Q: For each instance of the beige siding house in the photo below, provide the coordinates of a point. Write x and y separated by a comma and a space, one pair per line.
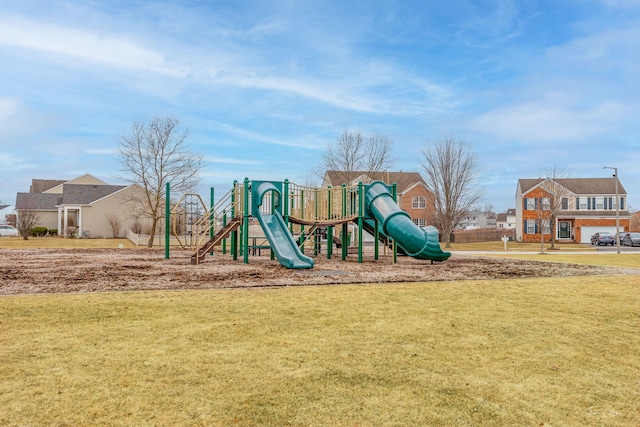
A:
83, 207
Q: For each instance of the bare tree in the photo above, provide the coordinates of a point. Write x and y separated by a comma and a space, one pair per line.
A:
634, 222
556, 199
115, 224
354, 152
451, 171
155, 153
27, 219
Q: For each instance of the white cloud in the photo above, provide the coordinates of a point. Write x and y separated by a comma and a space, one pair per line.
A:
87, 45
231, 161
535, 122
102, 151
11, 162
604, 50
254, 136
9, 107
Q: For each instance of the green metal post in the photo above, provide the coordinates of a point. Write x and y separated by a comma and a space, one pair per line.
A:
345, 226
285, 202
167, 225
234, 234
224, 223
360, 219
212, 217
273, 212
245, 221
329, 228
302, 217
376, 238
316, 241
394, 192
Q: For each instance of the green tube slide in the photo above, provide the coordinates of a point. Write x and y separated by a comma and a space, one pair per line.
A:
420, 243
278, 235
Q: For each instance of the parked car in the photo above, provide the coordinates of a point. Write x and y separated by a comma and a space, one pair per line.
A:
8, 230
632, 239
622, 234
603, 238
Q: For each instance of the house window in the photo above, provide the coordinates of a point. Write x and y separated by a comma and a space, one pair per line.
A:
583, 202
546, 204
530, 226
530, 204
419, 202
600, 203
565, 203
420, 222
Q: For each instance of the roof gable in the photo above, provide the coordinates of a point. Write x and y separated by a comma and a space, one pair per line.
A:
404, 180
86, 179
44, 185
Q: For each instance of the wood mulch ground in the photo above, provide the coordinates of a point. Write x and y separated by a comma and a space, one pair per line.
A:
25, 271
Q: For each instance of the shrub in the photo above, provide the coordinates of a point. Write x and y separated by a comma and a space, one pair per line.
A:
53, 231
38, 231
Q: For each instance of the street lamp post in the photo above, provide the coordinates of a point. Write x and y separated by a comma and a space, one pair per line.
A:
615, 176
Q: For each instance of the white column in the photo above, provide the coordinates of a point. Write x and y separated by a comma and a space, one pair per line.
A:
64, 224
79, 221
59, 226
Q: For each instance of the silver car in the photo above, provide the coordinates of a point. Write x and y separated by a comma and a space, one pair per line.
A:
632, 239
8, 230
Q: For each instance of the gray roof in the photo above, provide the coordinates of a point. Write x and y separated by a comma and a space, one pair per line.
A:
404, 180
587, 186
83, 194
38, 201
73, 194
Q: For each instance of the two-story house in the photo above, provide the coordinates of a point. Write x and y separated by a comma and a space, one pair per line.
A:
475, 219
506, 220
413, 195
575, 208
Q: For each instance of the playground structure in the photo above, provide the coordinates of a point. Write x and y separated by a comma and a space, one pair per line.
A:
294, 218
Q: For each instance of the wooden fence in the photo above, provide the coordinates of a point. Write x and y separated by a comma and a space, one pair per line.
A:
482, 235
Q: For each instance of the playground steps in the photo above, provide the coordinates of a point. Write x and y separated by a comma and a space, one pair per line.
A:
217, 238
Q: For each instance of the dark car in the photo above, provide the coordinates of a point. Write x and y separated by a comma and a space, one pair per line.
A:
632, 239
622, 234
603, 238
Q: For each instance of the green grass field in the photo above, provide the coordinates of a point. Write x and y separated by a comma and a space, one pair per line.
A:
528, 352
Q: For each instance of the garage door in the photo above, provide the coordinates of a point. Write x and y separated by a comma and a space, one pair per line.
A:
588, 231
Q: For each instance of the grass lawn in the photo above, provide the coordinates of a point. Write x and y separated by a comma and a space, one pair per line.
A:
60, 242
531, 352
498, 246
608, 259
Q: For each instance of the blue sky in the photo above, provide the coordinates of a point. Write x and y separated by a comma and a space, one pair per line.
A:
265, 86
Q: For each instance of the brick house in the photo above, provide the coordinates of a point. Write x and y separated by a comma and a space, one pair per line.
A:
413, 196
585, 206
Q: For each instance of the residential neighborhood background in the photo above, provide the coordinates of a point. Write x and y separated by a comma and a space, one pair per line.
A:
88, 207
